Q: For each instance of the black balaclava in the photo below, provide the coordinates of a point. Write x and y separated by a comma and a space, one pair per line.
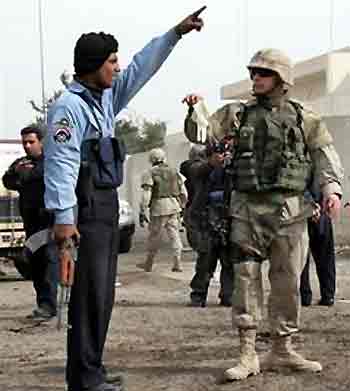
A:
92, 50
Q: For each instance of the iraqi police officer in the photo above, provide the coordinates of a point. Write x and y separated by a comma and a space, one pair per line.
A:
83, 168
278, 143
164, 194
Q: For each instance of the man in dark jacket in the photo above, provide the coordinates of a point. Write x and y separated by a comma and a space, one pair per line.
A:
205, 221
26, 175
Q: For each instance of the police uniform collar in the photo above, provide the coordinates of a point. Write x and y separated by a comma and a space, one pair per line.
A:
76, 87
80, 88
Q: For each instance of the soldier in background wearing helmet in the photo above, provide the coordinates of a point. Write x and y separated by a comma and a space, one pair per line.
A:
279, 143
164, 194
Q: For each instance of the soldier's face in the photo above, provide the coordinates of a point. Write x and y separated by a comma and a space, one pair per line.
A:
32, 146
264, 81
107, 72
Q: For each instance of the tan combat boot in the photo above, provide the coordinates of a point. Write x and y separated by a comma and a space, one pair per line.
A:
147, 266
177, 265
282, 355
248, 361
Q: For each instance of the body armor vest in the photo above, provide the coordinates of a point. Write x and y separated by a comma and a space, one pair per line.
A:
271, 152
165, 182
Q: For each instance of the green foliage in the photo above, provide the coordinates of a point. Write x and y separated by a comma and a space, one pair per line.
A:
141, 137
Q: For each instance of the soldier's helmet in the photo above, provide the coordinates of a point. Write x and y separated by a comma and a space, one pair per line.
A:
157, 155
197, 151
275, 60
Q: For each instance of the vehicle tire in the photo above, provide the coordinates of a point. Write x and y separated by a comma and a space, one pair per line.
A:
125, 244
22, 266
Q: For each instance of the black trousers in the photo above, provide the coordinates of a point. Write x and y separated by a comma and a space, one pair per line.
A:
93, 292
321, 246
44, 265
206, 264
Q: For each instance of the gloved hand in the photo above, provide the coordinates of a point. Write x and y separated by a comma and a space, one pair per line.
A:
143, 219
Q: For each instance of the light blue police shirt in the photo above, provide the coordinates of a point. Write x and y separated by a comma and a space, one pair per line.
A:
71, 121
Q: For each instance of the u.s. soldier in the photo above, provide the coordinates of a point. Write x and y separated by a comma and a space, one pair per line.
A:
163, 196
278, 142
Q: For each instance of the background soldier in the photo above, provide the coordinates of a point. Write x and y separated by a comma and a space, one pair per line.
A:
26, 175
207, 223
163, 192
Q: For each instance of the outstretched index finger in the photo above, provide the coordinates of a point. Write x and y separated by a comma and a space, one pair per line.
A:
198, 12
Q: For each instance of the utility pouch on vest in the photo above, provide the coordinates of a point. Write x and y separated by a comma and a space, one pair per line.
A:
109, 155
245, 165
101, 166
295, 167
246, 139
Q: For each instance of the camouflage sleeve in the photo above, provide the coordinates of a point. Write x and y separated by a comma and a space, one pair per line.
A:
316, 132
223, 121
147, 180
190, 126
146, 196
220, 124
328, 170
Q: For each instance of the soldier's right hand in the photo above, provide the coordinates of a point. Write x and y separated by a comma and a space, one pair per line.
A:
192, 99
63, 232
216, 159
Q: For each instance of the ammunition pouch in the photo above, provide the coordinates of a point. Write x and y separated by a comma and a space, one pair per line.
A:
101, 166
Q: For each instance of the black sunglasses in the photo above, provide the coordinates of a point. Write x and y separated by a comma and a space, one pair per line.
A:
262, 72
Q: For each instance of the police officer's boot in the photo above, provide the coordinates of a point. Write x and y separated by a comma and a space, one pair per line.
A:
177, 264
147, 266
248, 361
282, 356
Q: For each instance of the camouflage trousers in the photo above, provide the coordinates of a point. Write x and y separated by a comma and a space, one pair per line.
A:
170, 224
277, 233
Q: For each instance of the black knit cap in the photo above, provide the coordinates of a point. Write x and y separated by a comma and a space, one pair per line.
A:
92, 50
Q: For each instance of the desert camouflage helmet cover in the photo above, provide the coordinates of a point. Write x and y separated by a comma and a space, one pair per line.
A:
275, 60
157, 155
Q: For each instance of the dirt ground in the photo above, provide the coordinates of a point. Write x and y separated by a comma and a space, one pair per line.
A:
159, 343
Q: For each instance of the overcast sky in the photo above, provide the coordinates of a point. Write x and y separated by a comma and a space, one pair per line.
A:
201, 62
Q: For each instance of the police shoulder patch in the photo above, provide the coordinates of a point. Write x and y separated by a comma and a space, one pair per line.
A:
63, 131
